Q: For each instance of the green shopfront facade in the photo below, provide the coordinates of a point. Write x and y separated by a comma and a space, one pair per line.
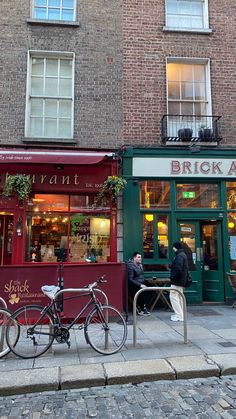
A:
173, 194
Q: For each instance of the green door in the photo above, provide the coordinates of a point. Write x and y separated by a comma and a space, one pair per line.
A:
203, 246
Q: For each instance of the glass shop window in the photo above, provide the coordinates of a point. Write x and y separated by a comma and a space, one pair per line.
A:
55, 232
154, 194
232, 239
231, 195
197, 195
155, 236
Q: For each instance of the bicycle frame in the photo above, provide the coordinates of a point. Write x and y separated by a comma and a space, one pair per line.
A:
52, 307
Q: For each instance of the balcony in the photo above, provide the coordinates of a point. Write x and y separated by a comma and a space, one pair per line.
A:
189, 129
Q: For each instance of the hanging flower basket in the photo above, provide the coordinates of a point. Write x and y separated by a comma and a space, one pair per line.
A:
111, 187
18, 184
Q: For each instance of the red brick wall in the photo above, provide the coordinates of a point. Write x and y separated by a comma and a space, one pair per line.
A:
146, 47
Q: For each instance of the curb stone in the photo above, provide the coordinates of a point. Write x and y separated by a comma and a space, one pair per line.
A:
194, 367
79, 376
226, 363
29, 381
137, 371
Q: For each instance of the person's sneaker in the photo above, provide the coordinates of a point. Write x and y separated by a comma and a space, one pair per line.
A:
175, 318
144, 312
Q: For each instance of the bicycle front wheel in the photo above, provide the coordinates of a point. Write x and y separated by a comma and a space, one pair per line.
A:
5, 316
36, 331
105, 330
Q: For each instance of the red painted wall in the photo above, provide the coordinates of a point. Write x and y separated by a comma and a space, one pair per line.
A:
20, 285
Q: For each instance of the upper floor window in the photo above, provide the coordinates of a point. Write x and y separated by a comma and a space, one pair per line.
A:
186, 14
189, 98
50, 94
54, 9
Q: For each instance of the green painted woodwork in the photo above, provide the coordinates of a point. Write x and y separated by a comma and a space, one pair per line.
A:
218, 288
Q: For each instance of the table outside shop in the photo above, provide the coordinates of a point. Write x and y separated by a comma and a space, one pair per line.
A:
160, 294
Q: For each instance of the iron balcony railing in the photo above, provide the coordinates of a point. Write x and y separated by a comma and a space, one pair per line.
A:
190, 128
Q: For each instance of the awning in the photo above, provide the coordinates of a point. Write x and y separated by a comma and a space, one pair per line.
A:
52, 157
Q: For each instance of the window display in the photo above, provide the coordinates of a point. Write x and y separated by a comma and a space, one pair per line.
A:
56, 233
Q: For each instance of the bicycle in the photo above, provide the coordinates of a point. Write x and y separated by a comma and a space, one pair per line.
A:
105, 329
5, 316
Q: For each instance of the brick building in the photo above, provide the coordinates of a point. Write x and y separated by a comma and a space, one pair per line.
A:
61, 123
82, 80
179, 128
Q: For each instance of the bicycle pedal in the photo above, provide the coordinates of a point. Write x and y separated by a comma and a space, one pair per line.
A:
68, 344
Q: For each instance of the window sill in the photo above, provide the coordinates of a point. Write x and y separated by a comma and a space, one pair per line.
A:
45, 22
188, 30
39, 140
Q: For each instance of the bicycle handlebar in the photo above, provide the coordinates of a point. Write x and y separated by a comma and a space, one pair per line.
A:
94, 284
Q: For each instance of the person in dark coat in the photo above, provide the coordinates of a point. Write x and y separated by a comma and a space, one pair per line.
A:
178, 278
137, 281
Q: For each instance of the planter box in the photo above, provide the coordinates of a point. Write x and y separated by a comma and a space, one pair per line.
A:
185, 134
205, 134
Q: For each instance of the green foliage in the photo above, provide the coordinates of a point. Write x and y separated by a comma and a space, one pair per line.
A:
75, 222
112, 187
18, 184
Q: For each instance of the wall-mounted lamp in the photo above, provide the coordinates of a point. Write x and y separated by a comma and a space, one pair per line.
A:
19, 227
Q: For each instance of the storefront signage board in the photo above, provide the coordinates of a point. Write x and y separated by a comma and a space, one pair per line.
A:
187, 167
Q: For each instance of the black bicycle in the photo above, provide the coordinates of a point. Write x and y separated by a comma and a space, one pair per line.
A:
105, 329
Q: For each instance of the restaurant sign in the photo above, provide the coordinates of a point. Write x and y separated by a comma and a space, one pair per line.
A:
185, 167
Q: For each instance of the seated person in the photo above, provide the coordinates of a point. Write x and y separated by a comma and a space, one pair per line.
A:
137, 281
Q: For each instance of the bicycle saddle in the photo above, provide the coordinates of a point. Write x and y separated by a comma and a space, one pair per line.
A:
50, 290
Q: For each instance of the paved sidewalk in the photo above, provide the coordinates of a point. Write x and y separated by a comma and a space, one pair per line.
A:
160, 354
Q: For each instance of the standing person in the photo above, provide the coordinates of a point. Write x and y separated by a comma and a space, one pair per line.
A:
137, 281
178, 278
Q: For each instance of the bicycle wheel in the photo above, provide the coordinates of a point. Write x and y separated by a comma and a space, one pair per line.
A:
5, 315
105, 330
36, 331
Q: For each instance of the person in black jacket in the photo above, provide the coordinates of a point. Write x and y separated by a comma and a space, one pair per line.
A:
178, 278
137, 281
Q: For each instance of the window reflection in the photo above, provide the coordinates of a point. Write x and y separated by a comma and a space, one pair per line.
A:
155, 236
232, 239
148, 236
154, 194
197, 195
55, 232
89, 238
162, 229
231, 195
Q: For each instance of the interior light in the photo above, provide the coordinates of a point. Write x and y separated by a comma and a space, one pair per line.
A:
160, 224
231, 224
149, 217
19, 227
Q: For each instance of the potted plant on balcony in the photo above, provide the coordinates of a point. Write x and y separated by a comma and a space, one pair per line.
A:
205, 133
185, 134
18, 184
112, 187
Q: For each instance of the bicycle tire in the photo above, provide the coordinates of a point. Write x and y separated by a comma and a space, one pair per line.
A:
5, 316
34, 339
105, 342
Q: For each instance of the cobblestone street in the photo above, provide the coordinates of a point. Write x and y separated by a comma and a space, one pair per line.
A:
198, 398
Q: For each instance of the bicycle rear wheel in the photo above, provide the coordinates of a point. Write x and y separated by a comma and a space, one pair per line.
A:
105, 330
5, 316
36, 331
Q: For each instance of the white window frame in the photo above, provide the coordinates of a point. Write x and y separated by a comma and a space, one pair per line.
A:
47, 54
193, 61
47, 7
191, 29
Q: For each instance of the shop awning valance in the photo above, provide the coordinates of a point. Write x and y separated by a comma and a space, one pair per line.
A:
53, 156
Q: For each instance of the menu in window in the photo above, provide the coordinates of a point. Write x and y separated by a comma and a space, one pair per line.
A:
233, 247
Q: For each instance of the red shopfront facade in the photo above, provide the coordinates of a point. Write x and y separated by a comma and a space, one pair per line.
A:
58, 224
